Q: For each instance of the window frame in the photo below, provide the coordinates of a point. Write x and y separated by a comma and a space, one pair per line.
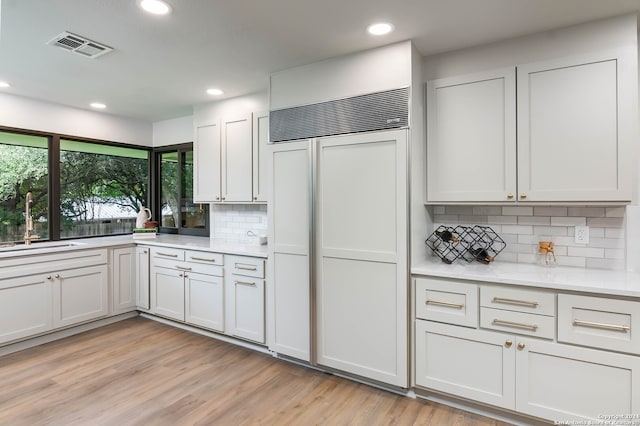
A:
155, 193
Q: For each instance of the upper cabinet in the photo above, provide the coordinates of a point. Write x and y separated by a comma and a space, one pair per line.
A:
228, 159
574, 129
471, 137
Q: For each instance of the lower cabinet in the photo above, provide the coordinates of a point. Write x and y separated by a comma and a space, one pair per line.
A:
143, 277
123, 279
245, 298
560, 382
188, 286
525, 369
80, 294
26, 307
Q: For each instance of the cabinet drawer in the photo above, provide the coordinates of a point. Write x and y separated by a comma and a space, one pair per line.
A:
599, 322
162, 253
247, 266
206, 258
447, 301
519, 300
518, 322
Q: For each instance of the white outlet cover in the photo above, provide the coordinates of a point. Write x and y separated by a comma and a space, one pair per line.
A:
581, 235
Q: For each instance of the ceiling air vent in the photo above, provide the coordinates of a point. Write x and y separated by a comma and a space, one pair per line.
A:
79, 44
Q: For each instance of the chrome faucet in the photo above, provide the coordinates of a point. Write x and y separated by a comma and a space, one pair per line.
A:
28, 236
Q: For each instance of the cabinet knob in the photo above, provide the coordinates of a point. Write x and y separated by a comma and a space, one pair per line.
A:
57, 275
48, 277
520, 346
523, 196
181, 275
510, 196
508, 343
222, 198
217, 198
255, 198
186, 275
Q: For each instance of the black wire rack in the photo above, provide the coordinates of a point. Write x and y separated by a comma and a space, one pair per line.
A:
479, 243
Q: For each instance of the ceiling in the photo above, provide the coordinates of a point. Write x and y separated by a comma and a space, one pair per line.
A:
162, 65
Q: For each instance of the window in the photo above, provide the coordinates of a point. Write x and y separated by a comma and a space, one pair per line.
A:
79, 187
101, 188
23, 168
179, 214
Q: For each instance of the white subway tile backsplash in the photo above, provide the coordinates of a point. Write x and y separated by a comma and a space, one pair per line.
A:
568, 221
231, 222
517, 211
534, 220
586, 211
522, 227
550, 211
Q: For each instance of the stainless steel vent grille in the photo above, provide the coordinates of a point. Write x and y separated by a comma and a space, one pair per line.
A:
79, 44
375, 111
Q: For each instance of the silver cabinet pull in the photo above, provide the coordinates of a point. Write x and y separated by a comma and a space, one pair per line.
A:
515, 324
202, 259
440, 303
246, 267
515, 302
166, 254
622, 328
184, 268
253, 284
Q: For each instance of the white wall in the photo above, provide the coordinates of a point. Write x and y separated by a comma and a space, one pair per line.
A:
205, 113
174, 131
369, 71
30, 114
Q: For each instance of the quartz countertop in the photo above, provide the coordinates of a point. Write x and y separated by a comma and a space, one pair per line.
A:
164, 240
615, 283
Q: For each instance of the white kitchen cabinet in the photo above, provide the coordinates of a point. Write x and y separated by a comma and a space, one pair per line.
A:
289, 325
471, 140
575, 126
555, 381
123, 279
187, 286
143, 277
229, 159
470, 363
80, 294
237, 161
260, 155
207, 163
572, 138
26, 306
361, 260
204, 298
245, 298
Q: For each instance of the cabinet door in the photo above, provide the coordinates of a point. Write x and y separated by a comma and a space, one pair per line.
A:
361, 246
469, 363
25, 307
207, 163
142, 281
572, 138
80, 294
204, 301
237, 163
246, 308
167, 293
289, 227
260, 141
471, 137
556, 381
124, 279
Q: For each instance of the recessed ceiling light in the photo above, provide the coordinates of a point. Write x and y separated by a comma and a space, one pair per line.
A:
215, 92
97, 105
4, 84
157, 7
380, 28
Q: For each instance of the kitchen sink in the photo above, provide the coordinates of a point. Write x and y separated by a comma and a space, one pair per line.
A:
34, 246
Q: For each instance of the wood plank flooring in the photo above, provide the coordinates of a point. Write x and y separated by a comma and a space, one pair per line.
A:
140, 372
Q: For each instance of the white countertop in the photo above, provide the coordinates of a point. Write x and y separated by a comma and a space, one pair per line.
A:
165, 240
617, 283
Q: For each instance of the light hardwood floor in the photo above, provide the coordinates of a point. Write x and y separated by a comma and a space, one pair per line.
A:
140, 372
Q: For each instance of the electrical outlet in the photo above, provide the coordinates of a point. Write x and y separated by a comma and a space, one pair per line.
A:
582, 235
